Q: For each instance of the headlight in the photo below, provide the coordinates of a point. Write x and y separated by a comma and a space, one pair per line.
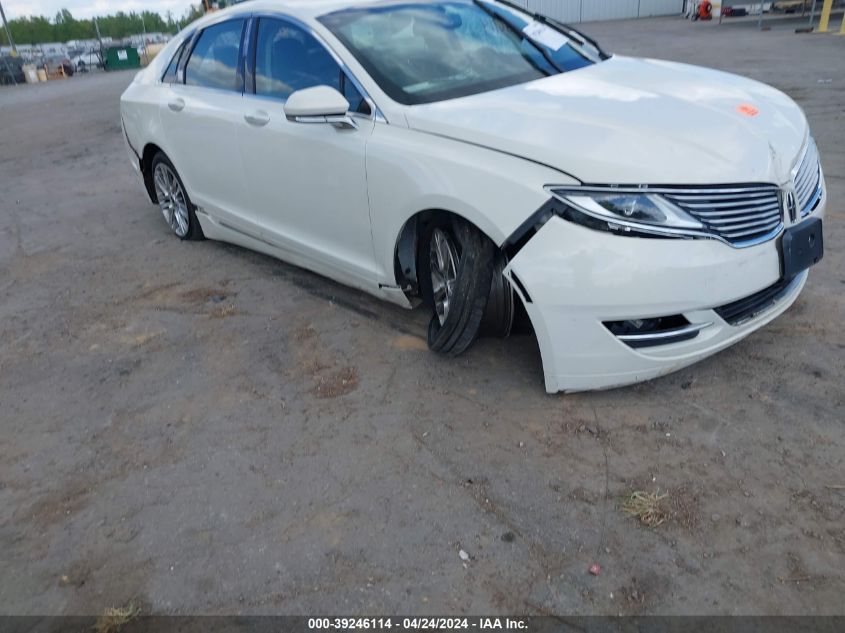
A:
624, 211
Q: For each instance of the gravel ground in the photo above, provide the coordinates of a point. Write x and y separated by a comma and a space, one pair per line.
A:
200, 429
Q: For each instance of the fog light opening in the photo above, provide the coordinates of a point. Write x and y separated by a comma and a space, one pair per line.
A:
654, 331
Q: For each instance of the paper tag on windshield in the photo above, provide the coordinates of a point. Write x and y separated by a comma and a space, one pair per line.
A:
545, 35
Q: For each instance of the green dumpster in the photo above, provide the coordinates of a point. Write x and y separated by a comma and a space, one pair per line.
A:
121, 57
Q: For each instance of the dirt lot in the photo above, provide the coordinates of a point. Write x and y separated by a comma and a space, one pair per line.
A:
200, 429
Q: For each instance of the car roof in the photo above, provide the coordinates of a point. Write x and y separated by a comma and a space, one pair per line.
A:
304, 8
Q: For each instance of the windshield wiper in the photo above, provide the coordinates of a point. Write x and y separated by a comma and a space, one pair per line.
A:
540, 48
569, 30
576, 34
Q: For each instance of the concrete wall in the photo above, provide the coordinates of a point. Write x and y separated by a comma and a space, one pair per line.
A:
588, 10
660, 7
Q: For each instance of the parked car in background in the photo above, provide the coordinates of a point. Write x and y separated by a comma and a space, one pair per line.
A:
87, 61
470, 155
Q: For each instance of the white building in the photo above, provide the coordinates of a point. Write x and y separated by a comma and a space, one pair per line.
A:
139, 39
590, 10
87, 44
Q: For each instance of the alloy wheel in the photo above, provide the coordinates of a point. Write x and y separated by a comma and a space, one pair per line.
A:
444, 271
171, 199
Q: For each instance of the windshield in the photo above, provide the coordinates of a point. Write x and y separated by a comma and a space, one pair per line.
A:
421, 52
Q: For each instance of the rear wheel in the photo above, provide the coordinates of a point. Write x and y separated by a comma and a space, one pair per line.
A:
173, 200
456, 268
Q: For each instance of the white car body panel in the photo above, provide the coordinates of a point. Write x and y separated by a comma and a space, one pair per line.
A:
410, 172
202, 140
296, 158
576, 280
336, 200
633, 121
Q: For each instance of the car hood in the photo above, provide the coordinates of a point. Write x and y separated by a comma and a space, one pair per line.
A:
633, 121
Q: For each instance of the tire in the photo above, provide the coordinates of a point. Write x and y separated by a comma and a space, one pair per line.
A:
173, 200
452, 330
499, 314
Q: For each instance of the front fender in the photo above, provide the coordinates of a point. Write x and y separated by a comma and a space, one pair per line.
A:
410, 171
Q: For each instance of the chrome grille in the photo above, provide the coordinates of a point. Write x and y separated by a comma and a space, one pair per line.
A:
741, 214
807, 179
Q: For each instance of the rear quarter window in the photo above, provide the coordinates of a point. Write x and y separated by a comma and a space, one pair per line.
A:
169, 76
214, 59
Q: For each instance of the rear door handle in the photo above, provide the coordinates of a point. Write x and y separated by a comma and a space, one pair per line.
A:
177, 105
258, 118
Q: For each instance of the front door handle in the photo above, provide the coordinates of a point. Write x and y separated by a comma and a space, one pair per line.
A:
258, 118
177, 105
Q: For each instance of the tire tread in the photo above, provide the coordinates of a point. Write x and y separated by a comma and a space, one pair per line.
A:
475, 273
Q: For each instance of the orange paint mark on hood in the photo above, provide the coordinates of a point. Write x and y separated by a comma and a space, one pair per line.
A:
747, 109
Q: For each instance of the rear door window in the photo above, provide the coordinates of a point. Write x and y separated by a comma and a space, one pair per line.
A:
214, 60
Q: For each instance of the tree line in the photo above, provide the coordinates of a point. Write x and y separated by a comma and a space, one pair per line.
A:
64, 27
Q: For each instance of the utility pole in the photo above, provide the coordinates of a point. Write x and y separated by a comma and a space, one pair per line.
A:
8, 32
100, 40
144, 40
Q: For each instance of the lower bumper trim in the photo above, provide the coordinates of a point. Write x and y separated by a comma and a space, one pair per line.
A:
745, 309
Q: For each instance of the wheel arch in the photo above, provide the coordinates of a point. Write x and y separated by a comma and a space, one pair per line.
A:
406, 246
146, 163
498, 316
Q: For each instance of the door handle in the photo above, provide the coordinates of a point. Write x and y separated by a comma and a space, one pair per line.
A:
258, 118
177, 105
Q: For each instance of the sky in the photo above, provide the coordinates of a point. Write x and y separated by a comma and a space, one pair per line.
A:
90, 8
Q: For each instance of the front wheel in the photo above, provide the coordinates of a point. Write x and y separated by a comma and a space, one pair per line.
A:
456, 268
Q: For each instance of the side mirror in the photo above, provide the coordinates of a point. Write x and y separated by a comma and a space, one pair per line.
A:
320, 104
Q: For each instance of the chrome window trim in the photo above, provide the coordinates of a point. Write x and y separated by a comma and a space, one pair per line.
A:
375, 112
246, 69
670, 231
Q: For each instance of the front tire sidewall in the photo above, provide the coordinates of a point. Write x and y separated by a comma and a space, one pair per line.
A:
469, 299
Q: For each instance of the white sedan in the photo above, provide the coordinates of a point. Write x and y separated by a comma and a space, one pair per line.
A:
469, 155
87, 61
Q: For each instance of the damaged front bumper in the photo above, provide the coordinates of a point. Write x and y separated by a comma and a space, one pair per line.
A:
578, 285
